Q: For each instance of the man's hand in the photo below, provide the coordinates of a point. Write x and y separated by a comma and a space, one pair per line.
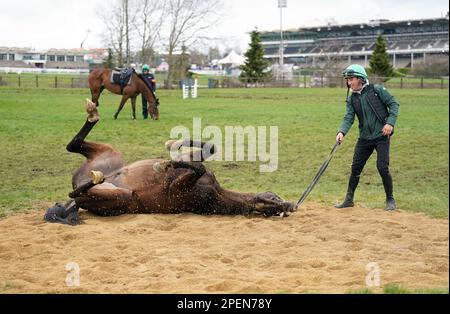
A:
340, 137
387, 130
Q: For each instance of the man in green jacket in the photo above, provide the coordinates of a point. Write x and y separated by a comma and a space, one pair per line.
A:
377, 113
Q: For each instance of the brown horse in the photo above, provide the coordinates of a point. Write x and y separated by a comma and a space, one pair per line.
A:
105, 186
100, 79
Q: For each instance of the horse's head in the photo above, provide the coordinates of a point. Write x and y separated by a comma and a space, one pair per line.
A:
153, 101
153, 109
59, 213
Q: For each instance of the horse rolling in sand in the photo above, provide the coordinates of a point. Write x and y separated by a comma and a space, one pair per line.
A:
105, 186
100, 79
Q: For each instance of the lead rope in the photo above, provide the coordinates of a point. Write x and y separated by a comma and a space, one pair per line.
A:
317, 176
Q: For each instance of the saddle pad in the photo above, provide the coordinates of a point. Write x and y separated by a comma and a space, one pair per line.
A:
121, 77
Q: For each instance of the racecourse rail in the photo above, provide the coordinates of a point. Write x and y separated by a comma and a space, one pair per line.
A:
48, 81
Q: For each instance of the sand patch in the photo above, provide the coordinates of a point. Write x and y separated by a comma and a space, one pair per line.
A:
318, 249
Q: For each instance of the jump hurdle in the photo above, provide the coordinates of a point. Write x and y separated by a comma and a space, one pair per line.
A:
190, 89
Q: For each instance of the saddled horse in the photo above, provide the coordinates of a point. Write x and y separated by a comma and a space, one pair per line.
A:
100, 79
105, 186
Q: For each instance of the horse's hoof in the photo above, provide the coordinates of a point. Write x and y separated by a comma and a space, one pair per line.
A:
91, 109
90, 105
170, 143
97, 177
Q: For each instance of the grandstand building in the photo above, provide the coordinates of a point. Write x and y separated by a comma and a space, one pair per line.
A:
409, 41
68, 59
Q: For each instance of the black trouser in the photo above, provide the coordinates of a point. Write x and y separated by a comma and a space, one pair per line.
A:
144, 107
363, 150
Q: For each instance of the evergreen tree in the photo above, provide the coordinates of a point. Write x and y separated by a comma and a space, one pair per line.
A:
255, 64
379, 62
109, 62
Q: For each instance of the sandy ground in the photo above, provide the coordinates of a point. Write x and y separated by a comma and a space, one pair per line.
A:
318, 249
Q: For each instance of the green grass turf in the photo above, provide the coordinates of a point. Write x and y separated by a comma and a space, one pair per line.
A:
36, 125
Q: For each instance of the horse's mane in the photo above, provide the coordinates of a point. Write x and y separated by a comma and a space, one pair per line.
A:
146, 83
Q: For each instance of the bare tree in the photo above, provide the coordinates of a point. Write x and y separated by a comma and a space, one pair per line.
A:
126, 12
328, 72
433, 66
214, 53
148, 23
186, 22
198, 57
116, 16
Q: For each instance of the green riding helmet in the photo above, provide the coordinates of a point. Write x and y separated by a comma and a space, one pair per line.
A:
355, 70
145, 67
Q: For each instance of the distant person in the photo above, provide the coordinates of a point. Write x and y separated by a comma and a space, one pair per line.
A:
377, 113
151, 82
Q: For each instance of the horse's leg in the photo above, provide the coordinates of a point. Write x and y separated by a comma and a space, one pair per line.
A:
109, 200
203, 152
100, 156
96, 95
185, 181
77, 144
122, 103
109, 160
133, 107
97, 177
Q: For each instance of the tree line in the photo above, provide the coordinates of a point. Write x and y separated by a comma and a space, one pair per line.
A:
134, 29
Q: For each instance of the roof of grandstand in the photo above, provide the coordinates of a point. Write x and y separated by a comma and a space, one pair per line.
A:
402, 37
372, 28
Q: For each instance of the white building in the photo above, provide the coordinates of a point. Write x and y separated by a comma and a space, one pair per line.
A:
69, 59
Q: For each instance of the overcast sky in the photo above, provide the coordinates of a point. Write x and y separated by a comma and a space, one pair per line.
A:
44, 24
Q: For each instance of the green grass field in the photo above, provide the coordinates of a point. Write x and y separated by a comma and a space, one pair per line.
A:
399, 289
36, 125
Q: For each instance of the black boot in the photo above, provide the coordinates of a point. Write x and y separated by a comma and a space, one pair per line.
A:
348, 202
352, 184
388, 188
390, 203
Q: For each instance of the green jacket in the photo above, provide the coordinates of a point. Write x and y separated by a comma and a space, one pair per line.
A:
372, 126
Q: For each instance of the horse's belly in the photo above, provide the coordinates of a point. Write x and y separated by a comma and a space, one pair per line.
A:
155, 201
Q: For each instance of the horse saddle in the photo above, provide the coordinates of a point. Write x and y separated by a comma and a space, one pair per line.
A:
122, 77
